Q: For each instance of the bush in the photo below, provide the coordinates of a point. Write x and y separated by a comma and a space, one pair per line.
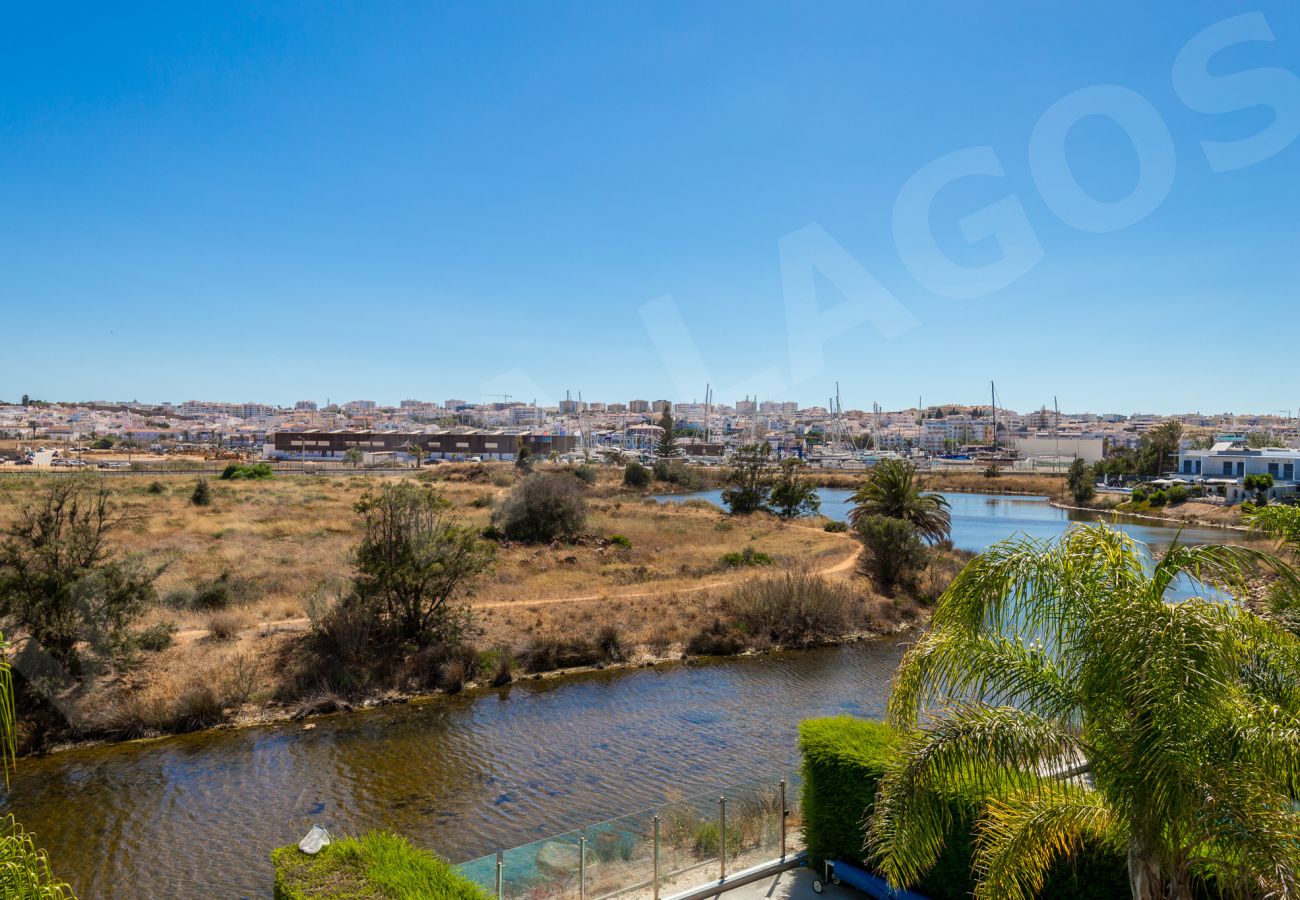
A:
1157, 498
202, 495
1080, 481
586, 474
610, 644
794, 609
707, 843
546, 654
1140, 494
843, 761
224, 626
253, 471
636, 475
717, 639
542, 508
1177, 494
894, 553
677, 473
620, 541
744, 558
215, 595
835, 526
377, 864
156, 487
156, 638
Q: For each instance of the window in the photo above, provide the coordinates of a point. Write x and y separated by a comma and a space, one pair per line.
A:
1187, 467
1227, 467
1241, 468
1288, 471
1272, 469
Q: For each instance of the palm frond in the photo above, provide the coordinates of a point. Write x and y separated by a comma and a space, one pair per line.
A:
1021, 836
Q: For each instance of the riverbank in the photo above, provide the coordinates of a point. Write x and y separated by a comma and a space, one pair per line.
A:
1191, 512
648, 582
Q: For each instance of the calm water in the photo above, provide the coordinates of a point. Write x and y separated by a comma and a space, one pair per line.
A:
196, 816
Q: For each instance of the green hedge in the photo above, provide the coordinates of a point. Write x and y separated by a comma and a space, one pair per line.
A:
843, 761
376, 866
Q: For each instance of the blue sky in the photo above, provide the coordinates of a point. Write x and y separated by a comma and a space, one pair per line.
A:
449, 200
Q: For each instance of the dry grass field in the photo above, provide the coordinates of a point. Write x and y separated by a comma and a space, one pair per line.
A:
266, 548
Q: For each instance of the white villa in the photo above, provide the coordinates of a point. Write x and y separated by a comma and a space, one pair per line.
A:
1226, 464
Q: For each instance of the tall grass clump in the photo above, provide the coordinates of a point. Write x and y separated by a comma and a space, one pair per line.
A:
377, 864
796, 608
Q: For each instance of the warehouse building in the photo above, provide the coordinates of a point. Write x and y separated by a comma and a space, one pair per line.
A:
452, 444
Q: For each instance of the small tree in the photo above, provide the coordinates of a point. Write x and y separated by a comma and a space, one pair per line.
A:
523, 454
895, 553
417, 451
749, 480
636, 475
543, 507
666, 447
792, 495
1260, 484
413, 561
60, 579
353, 456
1079, 481
202, 495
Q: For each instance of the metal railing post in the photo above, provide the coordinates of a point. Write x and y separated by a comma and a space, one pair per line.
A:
501, 864
785, 814
656, 876
582, 867
722, 836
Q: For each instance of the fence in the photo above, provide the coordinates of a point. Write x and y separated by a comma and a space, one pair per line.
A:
661, 850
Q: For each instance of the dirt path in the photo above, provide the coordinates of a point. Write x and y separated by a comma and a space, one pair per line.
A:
302, 623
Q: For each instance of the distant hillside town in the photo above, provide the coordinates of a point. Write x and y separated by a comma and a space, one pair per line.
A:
1042, 439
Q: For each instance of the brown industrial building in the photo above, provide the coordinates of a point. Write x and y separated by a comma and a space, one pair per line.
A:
453, 444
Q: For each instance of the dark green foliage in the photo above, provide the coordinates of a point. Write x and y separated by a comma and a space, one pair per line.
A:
202, 495
586, 474
666, 448
156, 638
717, 639
844, 759
546, 654
103, 443
213, 596
1079, 481
618, 540
544, 507
1157, 498
747, 557
156, 487
749, 480
835, 526
247, 471
893, 489
636, 475
1140, 494
677, 473
413, 561
791, 495
894, 555
523, 454
1177, 494
61, 580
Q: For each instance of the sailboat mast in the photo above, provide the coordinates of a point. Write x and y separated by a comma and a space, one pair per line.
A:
993, 401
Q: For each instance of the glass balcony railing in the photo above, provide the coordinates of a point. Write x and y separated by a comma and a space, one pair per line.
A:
654, 852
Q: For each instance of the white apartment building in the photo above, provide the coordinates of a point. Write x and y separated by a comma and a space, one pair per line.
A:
1226, 464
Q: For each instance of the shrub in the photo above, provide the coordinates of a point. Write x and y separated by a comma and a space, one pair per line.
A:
546, 654
1177, 494
835, 526
202, 495
377, 864
797, 608
894, 553
843, 761
501, 478
544, 507
717, 639
1080, 481
586, 474
156, 487
677, 473
610, 644
496, 667
198, 707
747, 557
224, 626
252, 471
992, 471
156, 638
619, 540
483, 501
1140, 494
706, 844
215, 595
1157, 498
636, 475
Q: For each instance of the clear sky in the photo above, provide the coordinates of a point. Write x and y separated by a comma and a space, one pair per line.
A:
437, 200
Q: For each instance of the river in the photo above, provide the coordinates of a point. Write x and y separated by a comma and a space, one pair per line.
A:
196, 815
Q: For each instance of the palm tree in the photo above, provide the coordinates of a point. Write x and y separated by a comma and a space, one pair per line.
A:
1061, 680
892, 489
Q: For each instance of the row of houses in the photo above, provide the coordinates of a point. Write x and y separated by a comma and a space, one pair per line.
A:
451, 444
